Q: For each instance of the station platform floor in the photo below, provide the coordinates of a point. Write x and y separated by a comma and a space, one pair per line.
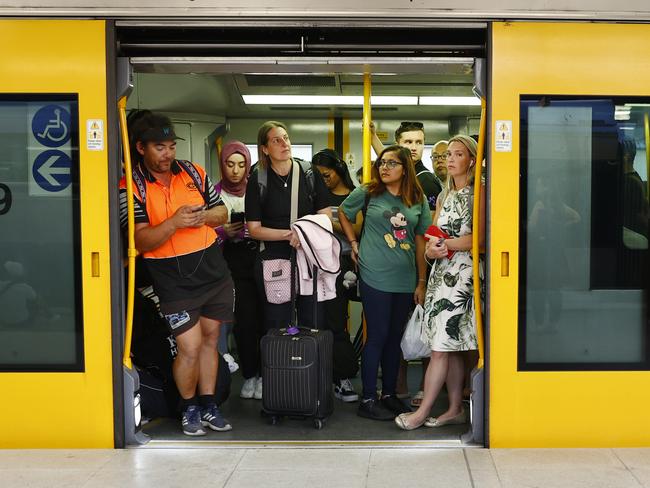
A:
334, 467
342, 427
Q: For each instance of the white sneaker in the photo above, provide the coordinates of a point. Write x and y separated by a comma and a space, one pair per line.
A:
248, 388
232, 364
344, 391
258, 389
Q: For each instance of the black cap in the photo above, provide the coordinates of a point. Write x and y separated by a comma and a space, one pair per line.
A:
154, 127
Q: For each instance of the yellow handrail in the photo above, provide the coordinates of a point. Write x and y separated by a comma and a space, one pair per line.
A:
367, 117
131, 252
475, 235
647, 153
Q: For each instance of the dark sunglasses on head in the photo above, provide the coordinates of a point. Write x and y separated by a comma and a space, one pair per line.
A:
417, 125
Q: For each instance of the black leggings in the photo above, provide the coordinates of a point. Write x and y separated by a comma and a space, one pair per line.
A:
249, 326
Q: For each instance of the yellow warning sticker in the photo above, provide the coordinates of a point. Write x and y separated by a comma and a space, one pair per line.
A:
95, 134
503, 136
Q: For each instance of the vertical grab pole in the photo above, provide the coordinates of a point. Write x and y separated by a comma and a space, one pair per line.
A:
646, 119
475, 230
367, 117
131, 253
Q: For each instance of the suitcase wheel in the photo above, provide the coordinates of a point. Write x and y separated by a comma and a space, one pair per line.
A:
319, 423
274, 420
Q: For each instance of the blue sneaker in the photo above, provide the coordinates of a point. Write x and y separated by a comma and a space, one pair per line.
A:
191, 421
211, 417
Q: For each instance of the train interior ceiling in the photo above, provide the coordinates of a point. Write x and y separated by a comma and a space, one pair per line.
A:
322, 107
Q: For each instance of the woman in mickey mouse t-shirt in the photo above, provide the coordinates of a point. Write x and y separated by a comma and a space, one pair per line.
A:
392, 268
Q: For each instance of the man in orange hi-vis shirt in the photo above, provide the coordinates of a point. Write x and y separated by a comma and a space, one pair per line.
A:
176, 211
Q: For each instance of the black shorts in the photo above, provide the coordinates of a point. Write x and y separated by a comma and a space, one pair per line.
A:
217, 304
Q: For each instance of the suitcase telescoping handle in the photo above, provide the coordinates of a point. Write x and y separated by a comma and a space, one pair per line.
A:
314, 297
293, 325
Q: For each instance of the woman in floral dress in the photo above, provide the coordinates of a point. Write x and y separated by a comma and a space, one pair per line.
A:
449, 314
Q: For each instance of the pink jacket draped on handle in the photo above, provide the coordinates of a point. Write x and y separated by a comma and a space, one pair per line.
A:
318, 246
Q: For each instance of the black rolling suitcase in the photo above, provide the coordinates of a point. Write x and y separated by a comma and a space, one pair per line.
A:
297, 370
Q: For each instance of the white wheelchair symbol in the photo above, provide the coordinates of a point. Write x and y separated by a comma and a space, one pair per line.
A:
55, 124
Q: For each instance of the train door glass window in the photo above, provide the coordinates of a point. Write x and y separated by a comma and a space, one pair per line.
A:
584, 268
40, 288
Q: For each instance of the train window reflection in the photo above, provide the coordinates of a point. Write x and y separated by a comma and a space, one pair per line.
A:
40, 281
584, 220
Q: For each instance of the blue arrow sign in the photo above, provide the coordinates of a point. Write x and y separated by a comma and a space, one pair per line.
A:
51, 170
51, 126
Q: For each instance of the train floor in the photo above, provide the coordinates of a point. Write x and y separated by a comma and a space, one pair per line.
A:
344, 426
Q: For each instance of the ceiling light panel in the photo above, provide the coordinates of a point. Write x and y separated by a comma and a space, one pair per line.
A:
329, 100
449, 101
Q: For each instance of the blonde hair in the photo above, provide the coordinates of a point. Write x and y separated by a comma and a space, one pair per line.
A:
472, 148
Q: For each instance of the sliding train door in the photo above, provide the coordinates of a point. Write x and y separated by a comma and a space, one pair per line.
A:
55, 333
569, 343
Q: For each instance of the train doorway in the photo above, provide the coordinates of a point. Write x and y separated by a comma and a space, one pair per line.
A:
214, 99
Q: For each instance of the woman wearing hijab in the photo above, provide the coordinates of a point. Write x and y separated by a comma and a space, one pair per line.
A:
337, 179
240, 250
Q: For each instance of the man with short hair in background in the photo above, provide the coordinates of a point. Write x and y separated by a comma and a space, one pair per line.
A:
439, 162
411, 136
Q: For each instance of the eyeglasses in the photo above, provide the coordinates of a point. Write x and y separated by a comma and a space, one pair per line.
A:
390, 164
416, 125
276, 141
435, 157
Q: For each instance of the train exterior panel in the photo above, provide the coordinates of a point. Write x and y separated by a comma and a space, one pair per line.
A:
554, 408
525, 408
72, 408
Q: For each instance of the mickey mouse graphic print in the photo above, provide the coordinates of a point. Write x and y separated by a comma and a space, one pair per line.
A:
387, 246
449, 315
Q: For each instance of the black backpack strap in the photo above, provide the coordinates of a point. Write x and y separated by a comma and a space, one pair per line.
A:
305, 166
308, 169
201, 185
262, 179
138, 179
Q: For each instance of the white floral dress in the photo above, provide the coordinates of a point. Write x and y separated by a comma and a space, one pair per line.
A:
449, 316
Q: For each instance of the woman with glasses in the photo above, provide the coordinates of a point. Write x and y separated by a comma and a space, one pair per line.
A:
239, 251
449, 308
390, 257
268, 210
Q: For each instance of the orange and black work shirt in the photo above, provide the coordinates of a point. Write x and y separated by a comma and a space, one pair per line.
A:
190, 262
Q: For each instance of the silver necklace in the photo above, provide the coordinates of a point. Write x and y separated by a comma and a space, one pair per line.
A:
285, 181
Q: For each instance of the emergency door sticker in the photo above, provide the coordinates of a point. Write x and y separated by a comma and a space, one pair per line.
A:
95, 134
503, 136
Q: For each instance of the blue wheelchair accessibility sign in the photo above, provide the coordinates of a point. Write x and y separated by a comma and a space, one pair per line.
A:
51, 170
51, 126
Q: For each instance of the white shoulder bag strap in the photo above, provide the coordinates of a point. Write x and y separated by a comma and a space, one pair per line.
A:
295, 183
